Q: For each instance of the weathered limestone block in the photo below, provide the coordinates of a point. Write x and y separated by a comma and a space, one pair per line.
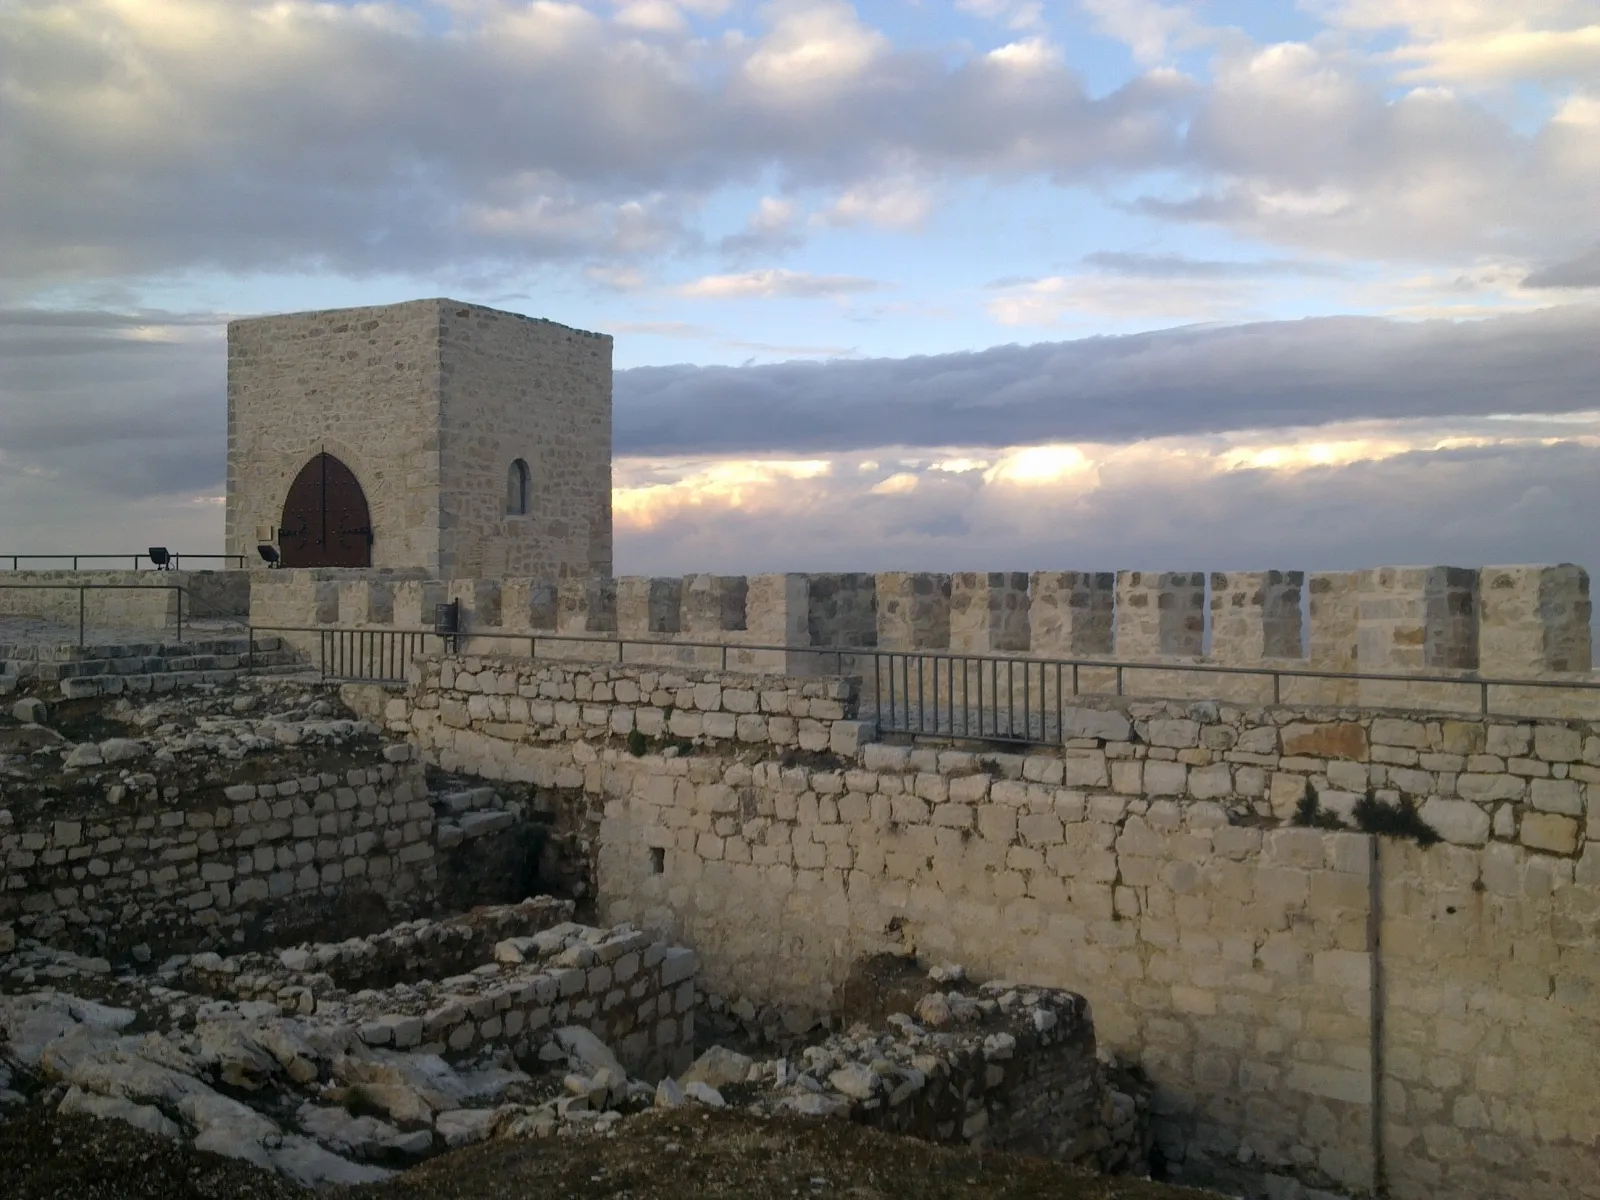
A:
527, 605
913, 610
479, 600
1417, 618
989, 612
1334, 611
648, 605
1071, 613
366, 602
415, 601
1533, 619
586, 604
713, 604
292, 598
842, 610
1255, 615
777, 614
1160, 614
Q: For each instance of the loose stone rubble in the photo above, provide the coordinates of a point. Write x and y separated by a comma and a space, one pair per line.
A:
325, 1086
267, 1058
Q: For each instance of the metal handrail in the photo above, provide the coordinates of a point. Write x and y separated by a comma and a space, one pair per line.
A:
241, 560
81, 588
1076, 665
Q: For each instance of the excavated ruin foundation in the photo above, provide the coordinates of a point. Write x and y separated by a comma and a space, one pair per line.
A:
242, 918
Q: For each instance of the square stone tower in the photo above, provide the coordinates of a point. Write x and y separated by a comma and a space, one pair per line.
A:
433, 434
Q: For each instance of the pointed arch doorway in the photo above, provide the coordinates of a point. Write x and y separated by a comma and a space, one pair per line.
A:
326, 522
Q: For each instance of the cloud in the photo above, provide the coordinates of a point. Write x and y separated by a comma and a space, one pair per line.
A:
1062, 299
1179, 266
886, 203
772, 227
1187, 381
774, 282
1013, 14
1307, 146
1580, 272
248, 135
1169, 506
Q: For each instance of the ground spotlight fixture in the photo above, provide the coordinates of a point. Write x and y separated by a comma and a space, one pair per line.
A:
269, 554
161, 558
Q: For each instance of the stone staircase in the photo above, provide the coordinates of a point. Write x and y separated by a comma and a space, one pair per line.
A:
143, 667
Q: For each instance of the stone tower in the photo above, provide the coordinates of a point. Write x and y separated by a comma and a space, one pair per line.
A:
433, 434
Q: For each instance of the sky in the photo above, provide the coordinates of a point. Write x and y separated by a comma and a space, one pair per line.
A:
899, 284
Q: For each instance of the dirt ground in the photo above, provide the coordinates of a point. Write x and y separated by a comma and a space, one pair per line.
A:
660, 1155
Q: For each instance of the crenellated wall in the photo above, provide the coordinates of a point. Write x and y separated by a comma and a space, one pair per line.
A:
1517, 621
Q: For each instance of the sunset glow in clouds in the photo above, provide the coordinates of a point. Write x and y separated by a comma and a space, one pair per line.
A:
948, 285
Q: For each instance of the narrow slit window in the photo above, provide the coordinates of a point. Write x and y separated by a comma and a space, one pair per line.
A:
517, 489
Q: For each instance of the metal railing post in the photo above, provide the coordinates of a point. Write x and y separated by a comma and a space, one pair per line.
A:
81, 590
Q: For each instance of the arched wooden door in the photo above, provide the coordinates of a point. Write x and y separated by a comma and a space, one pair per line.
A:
325, 518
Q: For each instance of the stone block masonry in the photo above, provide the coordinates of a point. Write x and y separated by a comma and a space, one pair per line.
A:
1318, 1008
1531, 622
429, 403
1533, 619
465, 992
162, 869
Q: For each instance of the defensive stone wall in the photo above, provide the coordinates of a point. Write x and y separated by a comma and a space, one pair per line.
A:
128, 600
1320, 1007
1517, 622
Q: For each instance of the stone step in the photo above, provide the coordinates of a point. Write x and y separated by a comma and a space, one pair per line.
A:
218, 647
153, 664
80, 687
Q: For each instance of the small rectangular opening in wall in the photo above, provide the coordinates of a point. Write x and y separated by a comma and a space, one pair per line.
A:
658, 860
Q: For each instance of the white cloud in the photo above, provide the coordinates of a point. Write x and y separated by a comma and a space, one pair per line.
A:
1363, 495
651, 16
813, 45
887, 203
1059, 299
242, 135
1149, 29
774, 282
1013, 14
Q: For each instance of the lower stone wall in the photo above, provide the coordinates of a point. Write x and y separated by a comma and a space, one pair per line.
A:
634, 992
168, 868
1319, 1007
53, 596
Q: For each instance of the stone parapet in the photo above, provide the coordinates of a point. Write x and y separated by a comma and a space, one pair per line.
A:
913, 610
1160, 614
1071, 614
1534, 620
989, 612
1417, 619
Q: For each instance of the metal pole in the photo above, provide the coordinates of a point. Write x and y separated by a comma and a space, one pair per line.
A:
80, 617
180, 614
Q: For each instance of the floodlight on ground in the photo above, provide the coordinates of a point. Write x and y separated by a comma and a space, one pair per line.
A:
161, 558
269, 554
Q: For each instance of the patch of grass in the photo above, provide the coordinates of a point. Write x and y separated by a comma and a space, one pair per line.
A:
1310, 813
1393, 820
